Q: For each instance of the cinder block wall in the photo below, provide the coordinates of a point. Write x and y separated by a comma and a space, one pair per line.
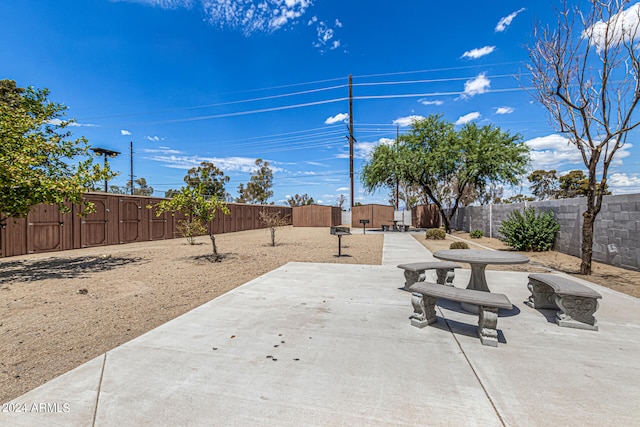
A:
616, 232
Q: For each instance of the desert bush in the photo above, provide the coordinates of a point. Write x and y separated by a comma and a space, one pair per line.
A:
530, 231
435, 234
273, 220
190, 229
459, 245
476, 234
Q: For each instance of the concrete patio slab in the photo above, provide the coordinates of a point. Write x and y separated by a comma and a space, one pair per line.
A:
332, 344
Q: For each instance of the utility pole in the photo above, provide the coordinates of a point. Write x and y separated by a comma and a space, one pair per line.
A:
351, 135
131, 166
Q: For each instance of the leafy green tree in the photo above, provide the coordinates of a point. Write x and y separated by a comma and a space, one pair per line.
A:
298, 200
576, 184
140, 188
197, 208
434, 156
544, 184
258, 189
38, 155
210, 177
585, 71
518, 198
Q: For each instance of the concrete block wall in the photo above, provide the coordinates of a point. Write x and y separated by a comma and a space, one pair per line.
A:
616, 232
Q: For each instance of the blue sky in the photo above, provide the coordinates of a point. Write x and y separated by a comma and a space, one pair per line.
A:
231, 81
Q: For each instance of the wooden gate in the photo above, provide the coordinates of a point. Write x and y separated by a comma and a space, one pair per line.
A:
130, 210
98, 228
46, 231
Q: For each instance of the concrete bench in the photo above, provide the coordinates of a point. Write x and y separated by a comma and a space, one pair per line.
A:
576, 303
424, 307
415, 272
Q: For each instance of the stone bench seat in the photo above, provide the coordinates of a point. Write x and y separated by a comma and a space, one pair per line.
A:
415, 272
424, 296
575, 302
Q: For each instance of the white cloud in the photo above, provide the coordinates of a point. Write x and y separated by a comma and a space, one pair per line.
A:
58, 122
227, 164
478, 53
342, 189
476, 86
462, 120
505, 110
124, 132
503, 23
161, 150
424, 101
556, 152
623, 183
248, 16
154, 138
325, 35
406, 121
362, 150
341, 117
619, 27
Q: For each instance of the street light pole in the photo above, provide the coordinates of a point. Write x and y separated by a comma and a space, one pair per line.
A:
106, 153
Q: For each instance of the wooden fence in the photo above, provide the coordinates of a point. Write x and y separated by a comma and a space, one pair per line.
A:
117, 219
425, 216
316, 216
376, 214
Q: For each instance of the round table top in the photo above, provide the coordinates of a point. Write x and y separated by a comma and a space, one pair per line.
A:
473, 256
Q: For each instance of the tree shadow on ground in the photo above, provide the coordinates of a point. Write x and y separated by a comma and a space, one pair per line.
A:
59, 268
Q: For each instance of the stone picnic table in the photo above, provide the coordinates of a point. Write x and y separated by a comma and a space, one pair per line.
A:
478, 260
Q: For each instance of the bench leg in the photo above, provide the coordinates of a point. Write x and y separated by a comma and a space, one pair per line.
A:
487, 325
445, 276
424, 310
412, 277
576, 312
542, 296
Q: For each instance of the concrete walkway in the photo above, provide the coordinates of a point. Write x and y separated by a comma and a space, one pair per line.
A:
331, 344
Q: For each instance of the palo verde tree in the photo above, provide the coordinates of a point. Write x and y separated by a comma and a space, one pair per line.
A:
38, 155
544, 184
140, 188
210, 177
298, 200
258, 189
586, 73
198, 209
434, 156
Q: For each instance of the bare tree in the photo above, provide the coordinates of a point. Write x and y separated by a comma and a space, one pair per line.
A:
585, 73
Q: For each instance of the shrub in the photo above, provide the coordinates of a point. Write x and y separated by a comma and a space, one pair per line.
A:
190, 229
530, 231
476, 234
435, 234
459, 245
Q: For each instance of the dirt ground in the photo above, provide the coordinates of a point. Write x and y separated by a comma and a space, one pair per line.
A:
62, 309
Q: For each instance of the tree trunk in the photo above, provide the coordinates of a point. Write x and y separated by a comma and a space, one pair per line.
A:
216, 257
587, 241
273, 236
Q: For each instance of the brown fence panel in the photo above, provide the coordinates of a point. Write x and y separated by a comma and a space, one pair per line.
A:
376, 214
130, 229
160, 227
46, 231
13, 237
116, 219
316, 216
100, 227
425, 216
